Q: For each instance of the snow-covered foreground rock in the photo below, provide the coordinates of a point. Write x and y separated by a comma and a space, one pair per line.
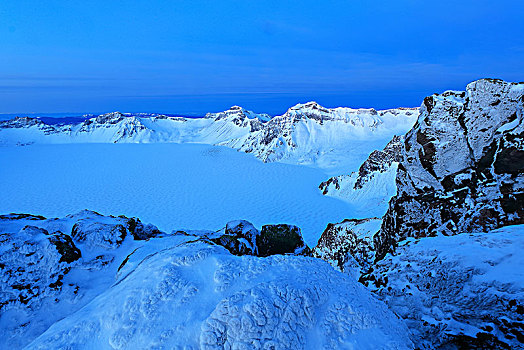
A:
119, 291
464, 291
306, 134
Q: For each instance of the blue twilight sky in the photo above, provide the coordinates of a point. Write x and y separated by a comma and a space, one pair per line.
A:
198, 56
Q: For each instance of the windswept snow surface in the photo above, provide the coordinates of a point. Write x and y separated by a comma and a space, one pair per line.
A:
175, 186
196, 295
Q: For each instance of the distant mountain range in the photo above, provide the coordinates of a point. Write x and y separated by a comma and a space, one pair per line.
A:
305, 134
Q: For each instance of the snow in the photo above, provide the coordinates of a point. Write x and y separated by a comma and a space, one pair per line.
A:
199, 296
175, 186
306, 134
457, 285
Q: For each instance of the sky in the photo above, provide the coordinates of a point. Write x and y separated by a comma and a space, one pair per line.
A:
193, 57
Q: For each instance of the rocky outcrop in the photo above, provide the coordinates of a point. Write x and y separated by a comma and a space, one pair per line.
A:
371, 187
348, 245
380, 161
141, 231
240, 237
463, 168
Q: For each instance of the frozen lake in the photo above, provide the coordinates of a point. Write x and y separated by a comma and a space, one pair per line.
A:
173, 186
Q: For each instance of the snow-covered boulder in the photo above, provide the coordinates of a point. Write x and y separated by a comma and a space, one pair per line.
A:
239, 238
463, 168
196, 295
33, 263
457, 292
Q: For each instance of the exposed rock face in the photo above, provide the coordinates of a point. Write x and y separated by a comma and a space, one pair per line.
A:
141, 231
457, 292
463, 168
281, 239
348, 245
371, 188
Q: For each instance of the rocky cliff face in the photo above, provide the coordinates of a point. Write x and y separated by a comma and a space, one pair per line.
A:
348, 245
97, 287
463, 168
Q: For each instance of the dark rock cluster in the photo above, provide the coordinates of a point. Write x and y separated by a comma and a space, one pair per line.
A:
242, 238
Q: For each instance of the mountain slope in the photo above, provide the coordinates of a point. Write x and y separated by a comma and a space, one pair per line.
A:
371, 188
313, 135
464, 291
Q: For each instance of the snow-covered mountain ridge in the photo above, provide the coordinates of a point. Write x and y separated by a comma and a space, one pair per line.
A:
306, 133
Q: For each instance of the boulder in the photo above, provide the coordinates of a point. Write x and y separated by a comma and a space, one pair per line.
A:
239, 238
281, 239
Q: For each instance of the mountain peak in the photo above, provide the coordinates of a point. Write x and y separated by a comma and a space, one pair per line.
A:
311, 105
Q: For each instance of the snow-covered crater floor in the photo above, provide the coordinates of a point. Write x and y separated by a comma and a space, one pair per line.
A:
175, 186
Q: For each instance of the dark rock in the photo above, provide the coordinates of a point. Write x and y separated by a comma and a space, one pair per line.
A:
141, 231
347, 244
281, 239
14, 216
65, 246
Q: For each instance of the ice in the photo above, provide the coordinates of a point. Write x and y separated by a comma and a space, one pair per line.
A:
174, 186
